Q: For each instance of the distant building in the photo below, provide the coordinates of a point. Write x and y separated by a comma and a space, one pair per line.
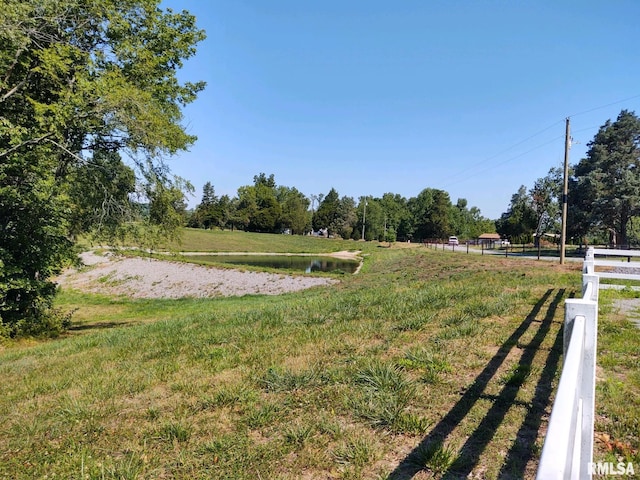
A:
489, 239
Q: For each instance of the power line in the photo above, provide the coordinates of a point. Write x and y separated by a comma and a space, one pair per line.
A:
466, 171
604, 106
495, 165
472, 170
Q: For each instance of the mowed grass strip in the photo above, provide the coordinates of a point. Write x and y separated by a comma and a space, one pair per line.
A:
426, 363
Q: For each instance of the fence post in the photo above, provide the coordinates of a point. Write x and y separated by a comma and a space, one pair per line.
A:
573, 308
589, 256
594, 280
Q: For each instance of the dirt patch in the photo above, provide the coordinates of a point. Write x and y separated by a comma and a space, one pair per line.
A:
148, 278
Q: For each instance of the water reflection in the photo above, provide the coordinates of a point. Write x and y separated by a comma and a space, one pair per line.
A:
302, 263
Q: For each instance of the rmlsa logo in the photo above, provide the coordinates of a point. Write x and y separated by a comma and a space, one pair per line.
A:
610, 468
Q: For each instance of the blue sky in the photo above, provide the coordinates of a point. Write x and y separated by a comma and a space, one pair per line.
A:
370, 97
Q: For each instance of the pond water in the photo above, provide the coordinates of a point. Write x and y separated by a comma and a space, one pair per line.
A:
301, 263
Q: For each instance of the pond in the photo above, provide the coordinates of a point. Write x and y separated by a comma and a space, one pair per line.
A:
303, 263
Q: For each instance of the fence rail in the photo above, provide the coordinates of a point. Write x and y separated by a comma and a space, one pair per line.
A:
623, 270
568, 448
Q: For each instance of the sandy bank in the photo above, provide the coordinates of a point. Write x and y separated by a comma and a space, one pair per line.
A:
148, 278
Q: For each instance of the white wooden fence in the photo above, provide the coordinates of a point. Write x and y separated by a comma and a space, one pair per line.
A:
619, 267
568, 446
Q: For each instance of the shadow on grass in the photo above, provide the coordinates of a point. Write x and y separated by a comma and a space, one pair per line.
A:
97, 326
523, 448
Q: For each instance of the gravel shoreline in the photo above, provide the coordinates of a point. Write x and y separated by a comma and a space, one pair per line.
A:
136, 277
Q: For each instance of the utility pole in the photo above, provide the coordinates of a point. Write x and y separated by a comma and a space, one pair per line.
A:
364, 217
565, 191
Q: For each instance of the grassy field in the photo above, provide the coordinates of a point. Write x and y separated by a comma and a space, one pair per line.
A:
427, 364
198, 240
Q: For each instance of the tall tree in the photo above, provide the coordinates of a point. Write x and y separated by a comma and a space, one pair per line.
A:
246, 206
262, 179
108, 203
327, 213
294, 206
520, 221
208, 195
546, 196
611, 174
396, 215
579, 218
431, 210
226, 207
258, 206
209, 212
80, 82
346, 218
468, 222
268, 209
374, 219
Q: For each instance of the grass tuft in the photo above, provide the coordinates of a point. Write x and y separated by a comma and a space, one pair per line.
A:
384, 394
356, 451
280, 380
429, 364
174, 431
434, 456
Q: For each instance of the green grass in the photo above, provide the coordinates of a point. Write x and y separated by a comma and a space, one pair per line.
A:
434, 457
617, 399
198, 240
427, 363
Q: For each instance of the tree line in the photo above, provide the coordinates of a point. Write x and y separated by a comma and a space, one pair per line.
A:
603, 204
603, 201
271, 208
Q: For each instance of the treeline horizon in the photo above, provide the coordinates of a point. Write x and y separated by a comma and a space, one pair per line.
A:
270, 208
603, 204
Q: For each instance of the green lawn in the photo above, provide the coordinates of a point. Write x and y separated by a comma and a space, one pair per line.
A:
426, 363
198, 240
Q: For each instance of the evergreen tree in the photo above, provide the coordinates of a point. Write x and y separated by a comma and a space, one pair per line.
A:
208, 213
610, 175
327, 213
